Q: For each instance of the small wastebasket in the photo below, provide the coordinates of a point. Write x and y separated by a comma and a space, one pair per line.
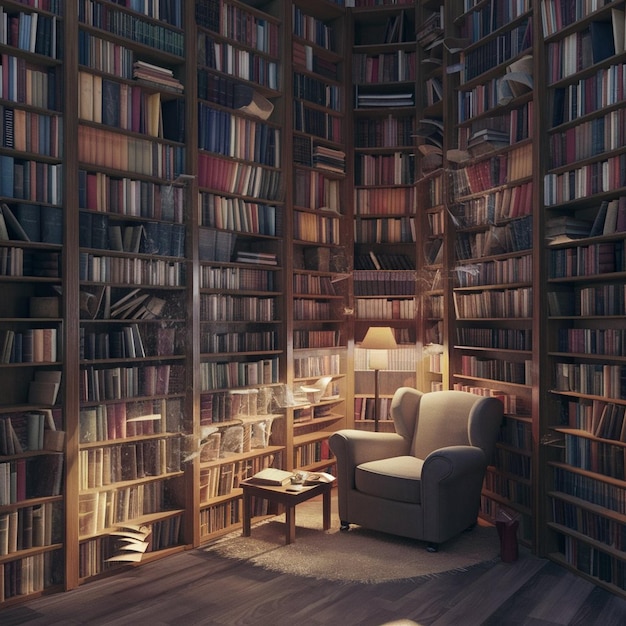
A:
507, 526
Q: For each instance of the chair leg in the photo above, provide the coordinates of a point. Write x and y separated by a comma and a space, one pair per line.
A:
344, 525
432, 547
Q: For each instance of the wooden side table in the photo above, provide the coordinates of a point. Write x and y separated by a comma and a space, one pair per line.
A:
289, 500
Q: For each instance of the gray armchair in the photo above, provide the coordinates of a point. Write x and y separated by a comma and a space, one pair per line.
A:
424, 480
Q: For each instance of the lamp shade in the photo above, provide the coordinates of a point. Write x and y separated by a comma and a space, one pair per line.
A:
379, 338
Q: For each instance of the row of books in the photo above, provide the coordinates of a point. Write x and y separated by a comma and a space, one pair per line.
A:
125, 343
31, 180
385, 230
601, 419
393, 169
119, 420
383, 261
364, 408
599, 258
315, 339
609, 218
30, 574
385, 201
516, 236
497, 369
236, 404
27, 527
317, 91
602, 300
595, 456
316, 228
34, 32
238, 178
110, 149
220, 307
313, 29
516, 269
105, 509
29, 131
20, 82
393, 131
31, 477
589, 93
241, 63
159, 35
505, 303
103, 55
383, 68
385, 309
101, 231
100, 467
495, 338
318, 285
316, 122
102, 193
131, 271
240, 215
317, 190
117, 383
319, 365
222, 343
609, 341
403, 358
215, 376
304, 57
28, 262
33, 345
226, 514
309, 310
383, 283
310, 453
238, 137
513, 405
587, 180
608, 381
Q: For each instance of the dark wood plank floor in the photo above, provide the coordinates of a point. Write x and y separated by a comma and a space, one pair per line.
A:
195, 587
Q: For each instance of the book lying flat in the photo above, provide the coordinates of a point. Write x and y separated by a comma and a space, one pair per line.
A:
271, 476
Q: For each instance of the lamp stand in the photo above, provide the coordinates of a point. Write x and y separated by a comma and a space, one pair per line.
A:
376, 401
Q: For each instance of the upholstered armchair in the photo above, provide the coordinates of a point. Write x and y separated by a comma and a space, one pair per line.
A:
424, 480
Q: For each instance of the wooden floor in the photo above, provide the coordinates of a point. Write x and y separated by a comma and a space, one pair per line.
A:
195, 587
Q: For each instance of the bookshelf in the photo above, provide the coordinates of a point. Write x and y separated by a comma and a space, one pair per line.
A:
320, 223
132, 281
32, 418
384, 70
584, 239
241, 273
490, 199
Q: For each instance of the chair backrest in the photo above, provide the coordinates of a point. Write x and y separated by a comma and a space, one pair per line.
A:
446, 418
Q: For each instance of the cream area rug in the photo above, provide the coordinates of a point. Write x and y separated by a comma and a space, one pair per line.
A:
358, 555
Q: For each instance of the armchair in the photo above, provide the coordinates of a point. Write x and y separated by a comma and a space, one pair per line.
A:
424, 480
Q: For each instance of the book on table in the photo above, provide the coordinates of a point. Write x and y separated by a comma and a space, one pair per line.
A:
271, 476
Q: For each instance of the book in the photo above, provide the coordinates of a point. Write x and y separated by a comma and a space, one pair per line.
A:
271, 476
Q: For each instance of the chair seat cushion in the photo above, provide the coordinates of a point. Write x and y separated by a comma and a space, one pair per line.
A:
397, 478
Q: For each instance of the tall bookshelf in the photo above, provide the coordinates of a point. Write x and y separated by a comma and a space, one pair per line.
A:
493, 337
584, 232
241, 276
132, 279
319, 226
384, 70
33, 223
431, 187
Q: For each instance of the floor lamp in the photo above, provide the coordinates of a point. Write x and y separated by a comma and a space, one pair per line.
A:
378, 341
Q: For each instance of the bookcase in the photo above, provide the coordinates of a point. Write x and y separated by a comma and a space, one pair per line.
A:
319, 376
240, 232
132, 231
585, 223
32, 223
490, 201
384, 70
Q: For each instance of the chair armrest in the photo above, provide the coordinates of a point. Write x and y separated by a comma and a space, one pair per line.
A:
353, 447
446, 464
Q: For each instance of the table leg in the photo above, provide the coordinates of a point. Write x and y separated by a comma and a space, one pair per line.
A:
247, 513
290, 524
326, 509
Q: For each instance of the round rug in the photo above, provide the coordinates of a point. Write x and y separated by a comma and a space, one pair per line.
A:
358, 555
